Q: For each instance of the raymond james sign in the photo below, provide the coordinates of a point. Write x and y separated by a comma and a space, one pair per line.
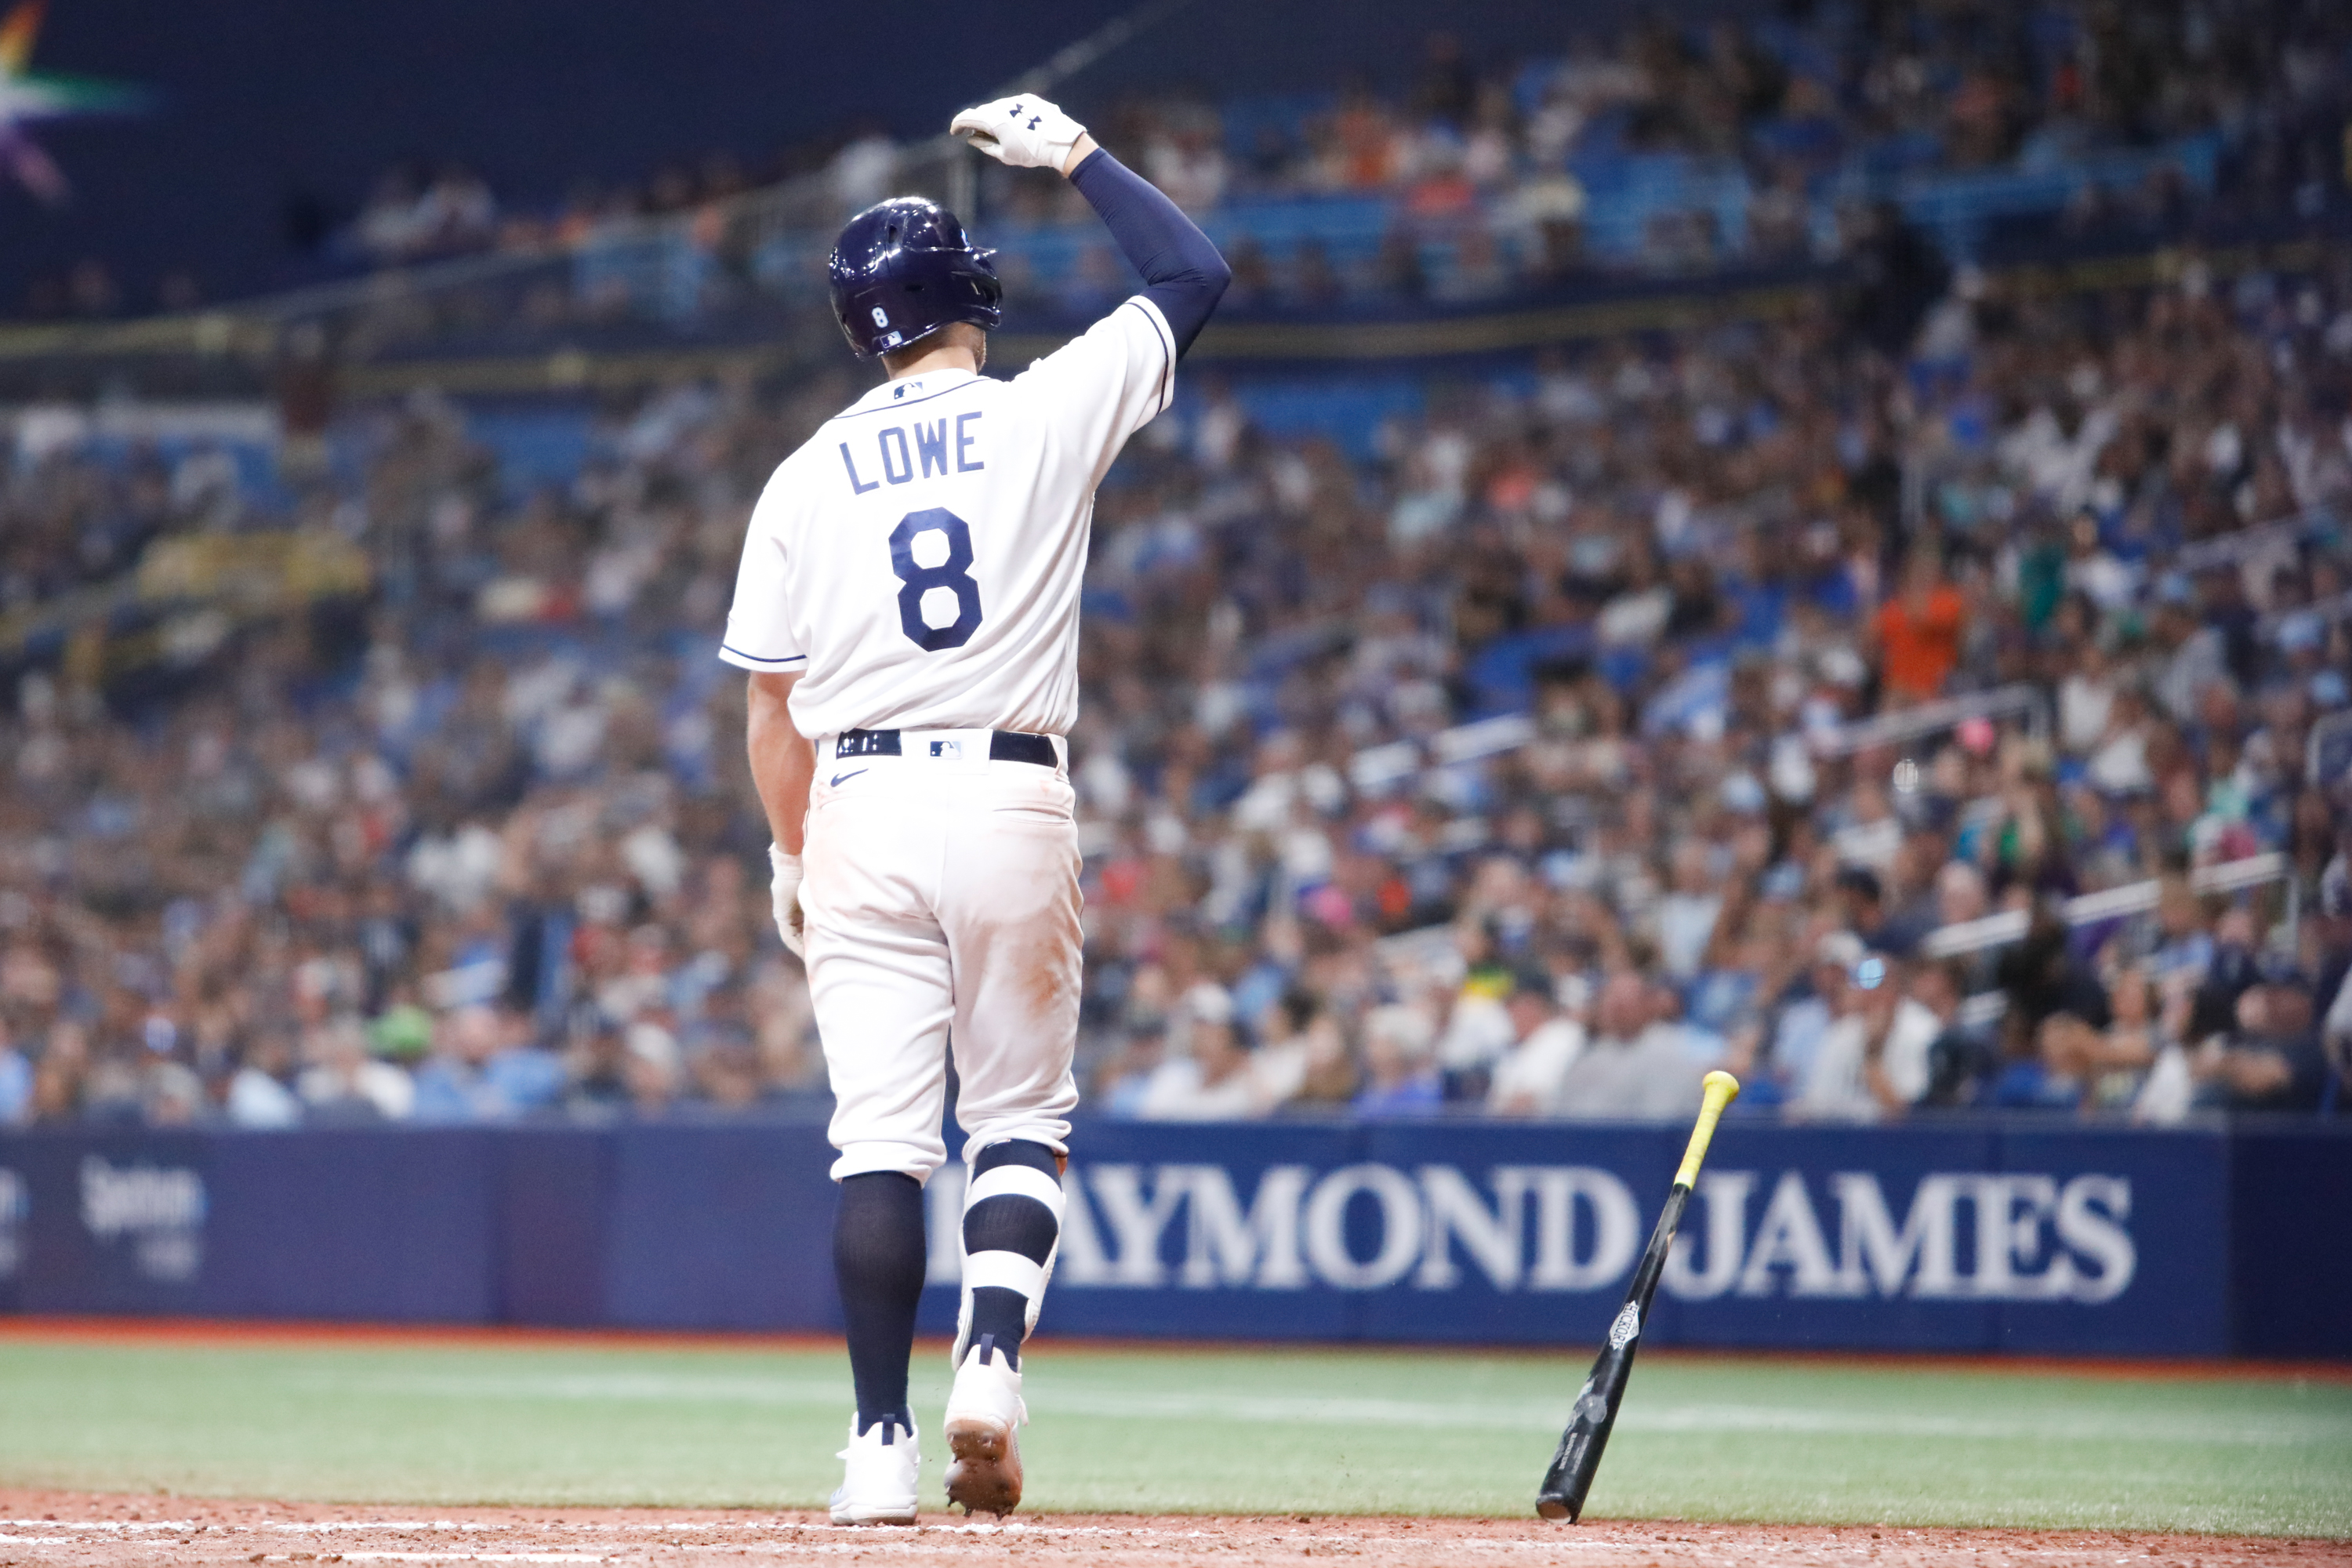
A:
1963, 1236
2024, 1237
2032, 1235
1437, 1231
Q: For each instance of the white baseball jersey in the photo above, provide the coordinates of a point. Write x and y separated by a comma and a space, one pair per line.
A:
920, 559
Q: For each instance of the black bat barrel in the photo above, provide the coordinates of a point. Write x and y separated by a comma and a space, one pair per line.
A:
1571, 1475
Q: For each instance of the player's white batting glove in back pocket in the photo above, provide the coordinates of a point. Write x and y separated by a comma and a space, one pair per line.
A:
1024, 132
784, 899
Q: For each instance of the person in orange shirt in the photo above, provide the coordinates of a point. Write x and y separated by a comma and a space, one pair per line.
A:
1919, 631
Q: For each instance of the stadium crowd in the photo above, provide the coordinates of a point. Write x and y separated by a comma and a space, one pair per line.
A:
1489, 161
1810, 109
1485, 164
481, 844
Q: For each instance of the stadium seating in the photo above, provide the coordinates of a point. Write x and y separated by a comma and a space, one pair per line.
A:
1902, 655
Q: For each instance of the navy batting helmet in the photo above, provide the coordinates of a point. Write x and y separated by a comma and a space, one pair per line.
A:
903, 270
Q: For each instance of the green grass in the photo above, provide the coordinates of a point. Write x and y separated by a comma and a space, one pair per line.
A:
1236, 1431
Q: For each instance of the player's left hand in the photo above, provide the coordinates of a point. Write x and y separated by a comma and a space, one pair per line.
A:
785, 899
1024, 132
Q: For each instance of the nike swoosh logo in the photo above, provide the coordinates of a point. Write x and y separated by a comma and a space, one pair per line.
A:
838, 777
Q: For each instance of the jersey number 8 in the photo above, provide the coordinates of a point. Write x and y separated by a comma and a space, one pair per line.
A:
954, 573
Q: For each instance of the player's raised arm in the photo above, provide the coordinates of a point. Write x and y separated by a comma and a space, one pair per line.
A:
1182, 273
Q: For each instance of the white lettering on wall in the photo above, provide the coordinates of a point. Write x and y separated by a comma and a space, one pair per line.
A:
1873, 1254
2012, 1214
1081, 1260
1458, 1211
1963, 1236
1326, 1226
1560, 1190
138, 1197
1723, 1195
159, 1209
2091, 1214
1224, 1247
1788, 1236
1136, 1220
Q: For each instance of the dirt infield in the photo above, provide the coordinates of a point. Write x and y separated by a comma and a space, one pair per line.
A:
76, 1530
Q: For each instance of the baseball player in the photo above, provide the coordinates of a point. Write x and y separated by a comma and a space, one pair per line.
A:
908, 606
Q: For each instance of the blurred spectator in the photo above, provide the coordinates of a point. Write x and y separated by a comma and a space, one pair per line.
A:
1633, 1069
1814, 1002
16, 1083
2271, 1059
415, 212
1920, 630
258, 1093
1873, 1063
1547, 1041
1400, 1080
484, 1069
863, 170
2048, 1072
653, 1068
1961, 1061
343, 1082
1212, 1081
2127, 1047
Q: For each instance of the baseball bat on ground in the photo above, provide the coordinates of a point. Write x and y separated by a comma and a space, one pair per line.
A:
1570, 1476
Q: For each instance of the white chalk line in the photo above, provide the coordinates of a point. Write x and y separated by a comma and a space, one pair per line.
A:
1051, 1396
787, 1537
1016, 1528
921, 1541
644, 1527
469, 1557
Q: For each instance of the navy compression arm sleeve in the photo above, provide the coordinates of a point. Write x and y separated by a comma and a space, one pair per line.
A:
1182, 273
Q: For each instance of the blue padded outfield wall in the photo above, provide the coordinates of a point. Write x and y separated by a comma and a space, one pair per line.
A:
1999, 1236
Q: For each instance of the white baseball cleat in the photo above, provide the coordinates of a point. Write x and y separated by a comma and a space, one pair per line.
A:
883, 1475
985, 1410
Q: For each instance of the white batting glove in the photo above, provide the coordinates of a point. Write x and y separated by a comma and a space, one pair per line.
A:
1024, 132
784, 899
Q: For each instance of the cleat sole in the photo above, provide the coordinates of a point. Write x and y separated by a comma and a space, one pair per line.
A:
984, 1469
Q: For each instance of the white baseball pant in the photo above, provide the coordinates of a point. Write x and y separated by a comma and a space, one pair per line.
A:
941, 904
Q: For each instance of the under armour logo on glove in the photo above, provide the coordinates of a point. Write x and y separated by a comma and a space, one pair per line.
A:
1022, 132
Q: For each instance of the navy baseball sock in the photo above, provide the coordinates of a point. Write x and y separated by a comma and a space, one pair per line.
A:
1011, 1218
879, 1258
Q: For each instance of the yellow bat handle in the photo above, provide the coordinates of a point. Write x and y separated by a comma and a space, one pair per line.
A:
1719, 1089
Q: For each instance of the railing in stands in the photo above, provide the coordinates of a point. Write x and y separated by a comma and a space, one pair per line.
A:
2092, 909
1934, 718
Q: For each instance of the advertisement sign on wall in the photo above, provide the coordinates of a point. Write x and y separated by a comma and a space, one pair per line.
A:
1961, 1240
2029, 1237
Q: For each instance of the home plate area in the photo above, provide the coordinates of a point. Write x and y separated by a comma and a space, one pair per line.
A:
61, 1529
